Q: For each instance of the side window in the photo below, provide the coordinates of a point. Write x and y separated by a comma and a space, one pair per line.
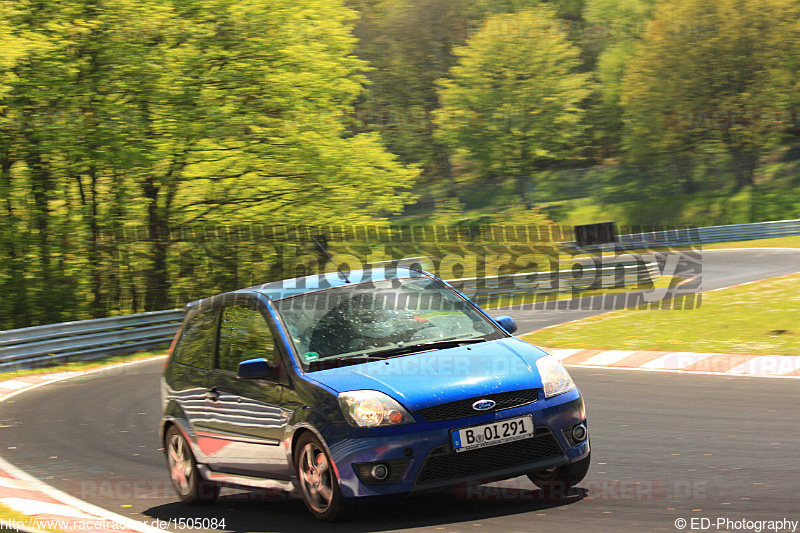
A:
243, 334
196, 345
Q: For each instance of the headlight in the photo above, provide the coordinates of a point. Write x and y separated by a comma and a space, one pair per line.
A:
555, 378
369, 409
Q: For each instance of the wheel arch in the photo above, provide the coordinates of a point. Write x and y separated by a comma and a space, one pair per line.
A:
297, 432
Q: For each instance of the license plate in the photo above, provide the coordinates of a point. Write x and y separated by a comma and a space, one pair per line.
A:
498, 432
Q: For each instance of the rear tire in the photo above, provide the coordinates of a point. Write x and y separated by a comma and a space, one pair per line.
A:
186, 479
319, 485
561, 478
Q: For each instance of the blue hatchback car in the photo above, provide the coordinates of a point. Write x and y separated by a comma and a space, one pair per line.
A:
381, 384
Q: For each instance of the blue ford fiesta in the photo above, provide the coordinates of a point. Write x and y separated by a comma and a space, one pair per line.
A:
383, 383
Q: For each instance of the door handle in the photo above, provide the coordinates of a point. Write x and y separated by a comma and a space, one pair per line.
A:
212, 394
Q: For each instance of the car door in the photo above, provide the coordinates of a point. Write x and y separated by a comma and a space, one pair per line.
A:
245, 415
194, 360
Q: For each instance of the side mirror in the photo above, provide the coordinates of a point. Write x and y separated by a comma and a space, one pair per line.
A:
507, 323
254, 369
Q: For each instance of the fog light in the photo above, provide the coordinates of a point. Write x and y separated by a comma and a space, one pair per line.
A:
380, 472
579, 433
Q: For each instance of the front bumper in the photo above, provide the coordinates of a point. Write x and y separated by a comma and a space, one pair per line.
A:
424, 453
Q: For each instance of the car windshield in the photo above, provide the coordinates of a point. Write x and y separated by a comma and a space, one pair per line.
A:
380, 317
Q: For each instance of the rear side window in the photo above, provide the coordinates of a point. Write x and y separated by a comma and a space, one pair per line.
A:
196, 345
243, 334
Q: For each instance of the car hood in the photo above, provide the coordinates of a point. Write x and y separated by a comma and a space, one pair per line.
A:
439, 376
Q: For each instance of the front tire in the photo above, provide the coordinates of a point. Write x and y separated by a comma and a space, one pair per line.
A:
319, 485
561, 478
183, 472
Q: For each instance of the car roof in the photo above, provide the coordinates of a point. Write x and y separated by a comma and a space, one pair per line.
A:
287, 288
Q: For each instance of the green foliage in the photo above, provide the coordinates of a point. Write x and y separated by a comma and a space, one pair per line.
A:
447, 212
521, 216
150, 117
409, 44
158, 115
612, 28
512, 104
709, 76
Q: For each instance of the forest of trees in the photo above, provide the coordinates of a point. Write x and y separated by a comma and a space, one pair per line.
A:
124, 123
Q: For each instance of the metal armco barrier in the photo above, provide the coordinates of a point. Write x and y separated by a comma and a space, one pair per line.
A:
709, 234
86, 339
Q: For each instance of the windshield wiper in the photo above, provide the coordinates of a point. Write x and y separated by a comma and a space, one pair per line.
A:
425, 346
357, 358
333, 362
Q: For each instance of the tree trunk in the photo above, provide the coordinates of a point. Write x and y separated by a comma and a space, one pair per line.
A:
115, 243
91, 77
744, 167
98, 309
522, 181
684, 175
41, 184
158, 233
13, 289
448, 171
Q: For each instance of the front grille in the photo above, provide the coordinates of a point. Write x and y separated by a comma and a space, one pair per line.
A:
463, 408
452, 465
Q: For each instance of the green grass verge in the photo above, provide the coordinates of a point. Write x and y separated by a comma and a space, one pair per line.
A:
777, 242
761, 318
78, 366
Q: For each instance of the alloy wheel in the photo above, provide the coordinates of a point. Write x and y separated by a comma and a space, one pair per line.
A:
316, 480
180, 464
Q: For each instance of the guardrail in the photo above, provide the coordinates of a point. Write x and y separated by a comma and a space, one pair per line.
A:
86, 339
704, 235
90, 339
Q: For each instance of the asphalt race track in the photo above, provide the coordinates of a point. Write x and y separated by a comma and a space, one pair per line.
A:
665, 447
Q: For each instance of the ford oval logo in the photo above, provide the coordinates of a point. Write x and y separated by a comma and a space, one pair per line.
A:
483, 405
